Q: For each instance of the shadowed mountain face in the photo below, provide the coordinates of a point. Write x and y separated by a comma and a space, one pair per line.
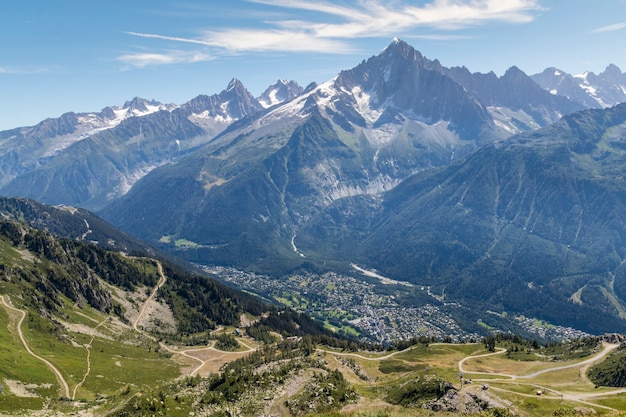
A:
535, 224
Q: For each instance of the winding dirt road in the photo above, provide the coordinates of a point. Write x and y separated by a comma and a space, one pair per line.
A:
188, 353
608, 348
580, 397
65, 388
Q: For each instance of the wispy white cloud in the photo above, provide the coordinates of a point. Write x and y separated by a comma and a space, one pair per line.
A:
372, 18
249, 40
610, 28
140, 60
169, 38
440, 37
330, 27
9, 70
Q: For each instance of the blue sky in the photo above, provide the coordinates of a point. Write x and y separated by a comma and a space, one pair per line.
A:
76, 55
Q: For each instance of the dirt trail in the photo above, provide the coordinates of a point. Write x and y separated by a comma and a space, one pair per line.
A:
608, 348
142, 312
365, 358
188, 353
580, 397
88, 348
56, 372
156, 288
462, 362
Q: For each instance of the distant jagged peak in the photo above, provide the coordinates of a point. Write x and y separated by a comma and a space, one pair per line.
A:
612, 69
230, 104
557, 72
235, 84
602, 90
135, 108
140, 104
613, 74
108, 113
280, 92
310, 87
514, 71
400, 49
397, 43
234, 89
398, 60
284, 83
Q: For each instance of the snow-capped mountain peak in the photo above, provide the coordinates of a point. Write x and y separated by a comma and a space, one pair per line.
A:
280, 92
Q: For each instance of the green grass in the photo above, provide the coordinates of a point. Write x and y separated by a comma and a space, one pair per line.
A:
10, 256
184, 243
390, 366
114, 364
343, 329
292, 299
542, 406
423, 352
521, 388
69, 359
525, 356
17, 365
485, 325
179, 243
614, 401
541, 323
284, 301
11, 403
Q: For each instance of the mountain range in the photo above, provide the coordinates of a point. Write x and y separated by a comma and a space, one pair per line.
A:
88, 159
603, 90
363, 132
501, 193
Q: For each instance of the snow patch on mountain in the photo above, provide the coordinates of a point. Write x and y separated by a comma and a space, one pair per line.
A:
512, 121
91, 123
127, 181
603, 90
271, 100
321, 96
375, 186
280, 92
364, 106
